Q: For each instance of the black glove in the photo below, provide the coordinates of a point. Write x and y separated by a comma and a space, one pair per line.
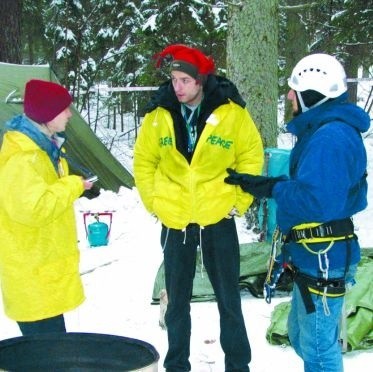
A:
258, 186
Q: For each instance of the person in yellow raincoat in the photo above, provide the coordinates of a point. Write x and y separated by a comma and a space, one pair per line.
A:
39, 257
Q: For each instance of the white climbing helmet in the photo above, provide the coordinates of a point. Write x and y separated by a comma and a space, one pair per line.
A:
320, 72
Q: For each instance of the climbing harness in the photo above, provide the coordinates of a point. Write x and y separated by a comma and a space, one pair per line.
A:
328, 231
323, 287
306, 235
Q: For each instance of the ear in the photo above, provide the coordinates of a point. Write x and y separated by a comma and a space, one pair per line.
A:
201, 79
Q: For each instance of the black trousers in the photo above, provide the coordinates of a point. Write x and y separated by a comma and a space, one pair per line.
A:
221, 258
55, 324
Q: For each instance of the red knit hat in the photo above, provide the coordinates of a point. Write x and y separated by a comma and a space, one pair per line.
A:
44, 100
186, 59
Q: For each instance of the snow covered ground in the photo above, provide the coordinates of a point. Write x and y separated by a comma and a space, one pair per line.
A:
119, 279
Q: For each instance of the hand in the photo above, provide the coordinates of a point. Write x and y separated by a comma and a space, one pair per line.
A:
232, 213
87, 185
258, 186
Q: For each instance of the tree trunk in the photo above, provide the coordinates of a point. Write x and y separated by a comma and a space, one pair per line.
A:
351, 66
10, 31
297, 41
252, 59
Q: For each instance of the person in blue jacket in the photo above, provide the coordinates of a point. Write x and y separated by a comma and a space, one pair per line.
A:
315, 205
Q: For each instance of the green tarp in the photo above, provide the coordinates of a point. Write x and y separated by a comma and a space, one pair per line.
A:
82, 146
253, 267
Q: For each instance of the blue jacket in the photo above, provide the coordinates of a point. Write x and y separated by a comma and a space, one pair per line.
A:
327, 174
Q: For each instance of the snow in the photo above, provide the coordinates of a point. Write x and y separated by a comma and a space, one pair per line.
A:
118, 280
151, 23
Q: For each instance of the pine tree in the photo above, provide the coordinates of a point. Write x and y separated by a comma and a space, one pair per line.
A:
252, 61
10, 31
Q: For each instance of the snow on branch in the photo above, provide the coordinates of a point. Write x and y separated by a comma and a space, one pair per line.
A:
220, 4
298, 7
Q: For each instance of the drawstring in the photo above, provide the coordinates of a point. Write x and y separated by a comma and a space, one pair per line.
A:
184, 231
166, 239
200, 247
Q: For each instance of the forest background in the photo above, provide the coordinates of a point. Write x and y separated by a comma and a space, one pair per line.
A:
92, 44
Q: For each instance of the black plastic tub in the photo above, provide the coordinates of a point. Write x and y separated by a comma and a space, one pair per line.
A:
77, 352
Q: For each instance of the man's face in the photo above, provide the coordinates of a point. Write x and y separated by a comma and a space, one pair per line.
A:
187, 89
58, 124
292, 96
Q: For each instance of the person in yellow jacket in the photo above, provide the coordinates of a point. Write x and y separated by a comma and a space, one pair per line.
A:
195, 128
39, 257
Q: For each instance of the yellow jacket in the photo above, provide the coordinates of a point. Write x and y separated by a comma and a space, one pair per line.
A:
179, 193
39, 257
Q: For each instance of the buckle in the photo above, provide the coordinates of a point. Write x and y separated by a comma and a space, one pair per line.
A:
320, 231
300, 234
338, 228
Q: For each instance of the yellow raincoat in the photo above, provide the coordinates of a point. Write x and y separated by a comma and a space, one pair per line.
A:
39, 257
179, 193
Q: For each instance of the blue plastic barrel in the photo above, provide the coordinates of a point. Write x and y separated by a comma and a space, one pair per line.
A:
98, 234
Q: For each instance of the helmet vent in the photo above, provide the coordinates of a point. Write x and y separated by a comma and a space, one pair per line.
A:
334, 88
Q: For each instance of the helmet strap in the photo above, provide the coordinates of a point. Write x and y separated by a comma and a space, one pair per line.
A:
304, 107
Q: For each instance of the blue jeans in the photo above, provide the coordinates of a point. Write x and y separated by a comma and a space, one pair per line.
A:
315, 336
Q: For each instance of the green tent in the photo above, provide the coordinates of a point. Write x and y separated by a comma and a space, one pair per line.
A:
82, 145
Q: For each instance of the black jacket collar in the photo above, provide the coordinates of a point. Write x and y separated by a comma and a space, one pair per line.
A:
217, 91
